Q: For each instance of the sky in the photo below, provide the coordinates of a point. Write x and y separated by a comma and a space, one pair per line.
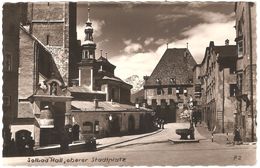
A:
135, 34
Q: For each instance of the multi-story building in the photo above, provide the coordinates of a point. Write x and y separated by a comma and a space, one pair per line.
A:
245, 13
215, 87
13, 16
170, 84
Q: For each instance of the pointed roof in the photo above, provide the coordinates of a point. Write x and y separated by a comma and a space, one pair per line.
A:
104, 61
176, 63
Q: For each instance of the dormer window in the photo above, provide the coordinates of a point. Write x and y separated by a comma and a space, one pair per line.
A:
172, 80
101, 68
177, 91
185, 91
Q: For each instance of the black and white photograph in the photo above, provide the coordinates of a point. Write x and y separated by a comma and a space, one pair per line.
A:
129, 83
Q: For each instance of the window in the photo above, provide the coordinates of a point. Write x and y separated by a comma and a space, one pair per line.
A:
96, 127
239, 83
87, 127
91, 54
198, 88
47, 39
232, 90
159, 91
169, 90
185, 91
180, 90
163, 103
172, 80
154, 102
240, 49
232, 69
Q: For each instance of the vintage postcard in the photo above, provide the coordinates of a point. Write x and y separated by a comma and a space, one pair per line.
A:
129, 83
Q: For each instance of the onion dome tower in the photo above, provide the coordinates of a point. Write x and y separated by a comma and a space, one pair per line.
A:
87, 66
88, 46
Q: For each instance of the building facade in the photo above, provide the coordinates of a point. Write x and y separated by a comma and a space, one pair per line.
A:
245, 13
13, 15
215, 87
167, 90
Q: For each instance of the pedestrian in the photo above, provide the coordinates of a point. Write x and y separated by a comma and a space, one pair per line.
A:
162, 124
237, 137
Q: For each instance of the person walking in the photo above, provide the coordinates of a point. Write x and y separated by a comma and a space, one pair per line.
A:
162, 123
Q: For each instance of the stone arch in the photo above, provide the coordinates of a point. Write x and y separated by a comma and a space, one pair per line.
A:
22, 139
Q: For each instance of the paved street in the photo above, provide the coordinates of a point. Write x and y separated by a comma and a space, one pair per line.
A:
152, 149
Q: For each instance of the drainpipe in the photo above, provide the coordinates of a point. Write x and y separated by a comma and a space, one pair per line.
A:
251, 73
223, 99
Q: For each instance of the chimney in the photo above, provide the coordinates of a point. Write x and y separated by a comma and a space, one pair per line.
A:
211, 43
226, 42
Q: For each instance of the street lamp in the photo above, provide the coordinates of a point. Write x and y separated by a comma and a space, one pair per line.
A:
110, 117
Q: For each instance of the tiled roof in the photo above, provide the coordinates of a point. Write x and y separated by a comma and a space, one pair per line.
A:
104, 60
103, 106
114, 78
227, 51
175, 63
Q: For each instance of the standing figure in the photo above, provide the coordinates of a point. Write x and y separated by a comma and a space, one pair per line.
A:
53, 88
237, 137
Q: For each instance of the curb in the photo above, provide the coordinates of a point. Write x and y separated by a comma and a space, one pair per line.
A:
109, 145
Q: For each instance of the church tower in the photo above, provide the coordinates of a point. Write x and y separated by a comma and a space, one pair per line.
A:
87, 66
54, 25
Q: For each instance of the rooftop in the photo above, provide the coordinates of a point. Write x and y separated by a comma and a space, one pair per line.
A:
104, 106
174, 63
